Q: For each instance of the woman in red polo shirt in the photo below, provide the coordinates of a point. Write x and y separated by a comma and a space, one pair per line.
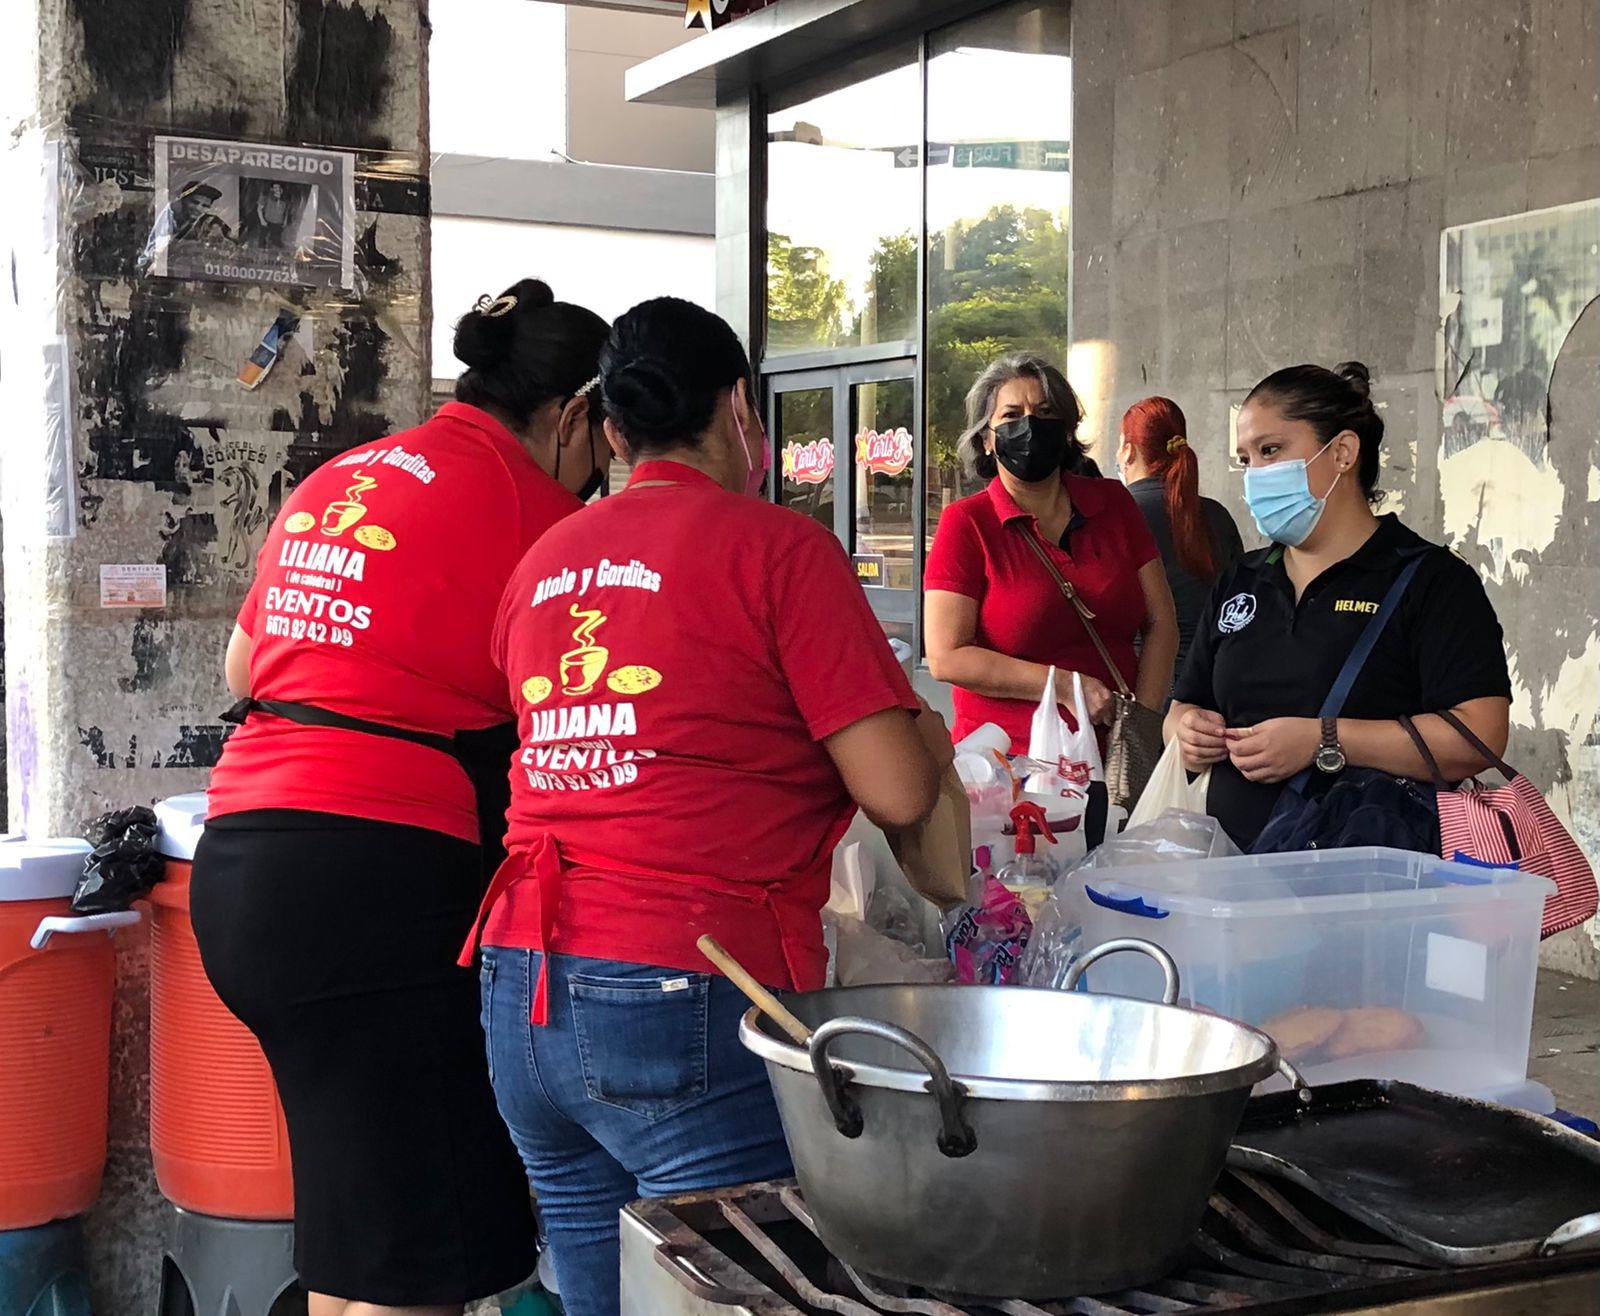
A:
705, 698
342, 861
996, 621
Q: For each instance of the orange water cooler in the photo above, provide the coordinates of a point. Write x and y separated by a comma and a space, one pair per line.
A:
57, 973
216, 1128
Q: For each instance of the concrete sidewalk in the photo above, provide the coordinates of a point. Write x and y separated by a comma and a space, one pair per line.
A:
1564, 1051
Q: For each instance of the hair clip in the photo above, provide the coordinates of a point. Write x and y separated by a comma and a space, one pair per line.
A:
500, 306
588, 388
1175, 442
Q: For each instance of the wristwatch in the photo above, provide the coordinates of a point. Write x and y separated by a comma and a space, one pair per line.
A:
1329, 757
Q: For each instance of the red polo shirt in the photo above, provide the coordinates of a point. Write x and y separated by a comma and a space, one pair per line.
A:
678, 653
978, 551
375, 595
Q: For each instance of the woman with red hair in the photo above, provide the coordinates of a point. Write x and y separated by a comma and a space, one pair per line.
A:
1197, 537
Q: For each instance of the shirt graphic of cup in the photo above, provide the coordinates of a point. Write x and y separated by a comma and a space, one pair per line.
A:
342, 513
582, 667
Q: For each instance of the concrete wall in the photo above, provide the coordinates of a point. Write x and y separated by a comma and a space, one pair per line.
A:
602, 126
1266, 182
169, 461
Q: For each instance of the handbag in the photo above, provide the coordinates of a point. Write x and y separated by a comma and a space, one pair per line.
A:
1510, 826
1363, 806
1135, 743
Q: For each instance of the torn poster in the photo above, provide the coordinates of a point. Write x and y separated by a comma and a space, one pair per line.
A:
246, 213
1510, 291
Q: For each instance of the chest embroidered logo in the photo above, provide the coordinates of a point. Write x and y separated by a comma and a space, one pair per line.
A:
1237, 613
1367, 606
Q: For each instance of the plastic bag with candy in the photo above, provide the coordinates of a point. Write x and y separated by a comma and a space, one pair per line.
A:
986, 940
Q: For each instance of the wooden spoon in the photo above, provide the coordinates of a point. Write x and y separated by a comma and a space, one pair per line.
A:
760, 997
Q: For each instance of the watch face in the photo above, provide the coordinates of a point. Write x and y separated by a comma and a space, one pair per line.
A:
1330, 758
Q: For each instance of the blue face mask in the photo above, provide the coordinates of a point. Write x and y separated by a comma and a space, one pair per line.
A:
1281, 502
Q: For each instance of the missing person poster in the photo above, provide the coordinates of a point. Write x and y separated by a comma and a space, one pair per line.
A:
245, 213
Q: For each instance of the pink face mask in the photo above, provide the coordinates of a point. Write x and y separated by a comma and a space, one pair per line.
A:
754, 477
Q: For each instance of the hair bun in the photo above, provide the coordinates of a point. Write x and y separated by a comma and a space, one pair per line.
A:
531, 293
1356, 374
486, 333
647, 393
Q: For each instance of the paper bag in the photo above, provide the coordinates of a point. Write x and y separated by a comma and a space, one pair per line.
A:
936, 854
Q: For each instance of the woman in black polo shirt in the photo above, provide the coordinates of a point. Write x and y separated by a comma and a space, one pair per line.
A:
1282, 620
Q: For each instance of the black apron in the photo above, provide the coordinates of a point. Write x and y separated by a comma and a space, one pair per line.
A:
484, 755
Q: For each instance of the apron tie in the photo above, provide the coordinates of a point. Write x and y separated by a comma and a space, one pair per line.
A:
545, 864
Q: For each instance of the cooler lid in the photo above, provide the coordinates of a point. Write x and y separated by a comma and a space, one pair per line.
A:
40, 870
182, 818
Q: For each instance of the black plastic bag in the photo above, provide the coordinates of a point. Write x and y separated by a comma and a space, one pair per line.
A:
124, 864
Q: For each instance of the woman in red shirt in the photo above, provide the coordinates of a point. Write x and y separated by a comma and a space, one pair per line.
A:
343, 859
996, 621
705, 699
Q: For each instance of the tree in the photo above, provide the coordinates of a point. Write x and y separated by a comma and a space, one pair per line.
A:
805, 304
995, 285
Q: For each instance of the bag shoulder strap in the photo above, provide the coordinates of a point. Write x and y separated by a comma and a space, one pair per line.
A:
1426, 754
1472, 738
1078, 605
1375, 628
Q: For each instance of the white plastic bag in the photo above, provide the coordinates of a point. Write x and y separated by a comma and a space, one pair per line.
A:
1073, 756
1169, 787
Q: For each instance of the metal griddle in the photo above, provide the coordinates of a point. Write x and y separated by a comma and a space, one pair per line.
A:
1461, 1182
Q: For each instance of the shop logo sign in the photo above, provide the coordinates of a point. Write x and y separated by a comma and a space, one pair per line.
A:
1237, 613
887, 452
714, 13
808, 463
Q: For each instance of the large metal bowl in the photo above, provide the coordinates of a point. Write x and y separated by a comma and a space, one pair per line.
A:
1009, 1142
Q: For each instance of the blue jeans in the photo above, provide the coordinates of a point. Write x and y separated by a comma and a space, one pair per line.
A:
637, 1087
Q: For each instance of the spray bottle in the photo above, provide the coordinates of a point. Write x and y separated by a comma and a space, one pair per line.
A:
1028, 876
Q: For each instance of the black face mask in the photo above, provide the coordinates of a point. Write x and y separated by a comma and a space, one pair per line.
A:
1031, 447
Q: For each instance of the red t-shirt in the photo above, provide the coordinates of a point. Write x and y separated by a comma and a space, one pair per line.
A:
677, 654
978, 552
374, 596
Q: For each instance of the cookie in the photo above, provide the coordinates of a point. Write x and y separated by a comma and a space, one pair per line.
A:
1301, 1034
1374, 1031
634, 680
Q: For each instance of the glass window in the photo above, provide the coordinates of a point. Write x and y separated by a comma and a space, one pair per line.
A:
885, 454
803, 433
842, 213
999, 187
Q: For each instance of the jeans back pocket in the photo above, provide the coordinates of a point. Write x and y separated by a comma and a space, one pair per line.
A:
641, 1041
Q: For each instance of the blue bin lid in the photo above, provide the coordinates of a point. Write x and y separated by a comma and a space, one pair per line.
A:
182, 818
40, 870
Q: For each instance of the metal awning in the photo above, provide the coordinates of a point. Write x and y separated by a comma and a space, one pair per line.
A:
785, 38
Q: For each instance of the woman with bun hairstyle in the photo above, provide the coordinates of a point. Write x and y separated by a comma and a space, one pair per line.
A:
361, 800
705, 700
1283, 620
1197, 537
996, 621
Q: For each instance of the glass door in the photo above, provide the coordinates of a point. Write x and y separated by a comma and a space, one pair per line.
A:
846, 450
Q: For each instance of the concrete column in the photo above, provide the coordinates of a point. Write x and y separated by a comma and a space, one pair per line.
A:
128, 439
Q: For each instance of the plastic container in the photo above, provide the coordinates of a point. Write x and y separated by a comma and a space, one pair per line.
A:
1441, 957
55, 1036
217, 1134
42, 1271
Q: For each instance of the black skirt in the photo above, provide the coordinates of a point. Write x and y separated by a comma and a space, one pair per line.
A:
334, 940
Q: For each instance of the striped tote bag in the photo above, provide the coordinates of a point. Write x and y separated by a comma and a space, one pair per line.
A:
1511, 826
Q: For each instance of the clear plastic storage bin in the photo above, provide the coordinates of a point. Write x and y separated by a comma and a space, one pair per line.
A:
1362, 963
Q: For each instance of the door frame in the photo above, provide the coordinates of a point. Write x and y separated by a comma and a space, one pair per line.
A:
842, 378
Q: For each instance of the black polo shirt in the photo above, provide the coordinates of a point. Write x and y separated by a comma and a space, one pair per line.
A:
1259, 654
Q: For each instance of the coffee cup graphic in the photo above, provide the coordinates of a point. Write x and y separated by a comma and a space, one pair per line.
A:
582, 667
342, 513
